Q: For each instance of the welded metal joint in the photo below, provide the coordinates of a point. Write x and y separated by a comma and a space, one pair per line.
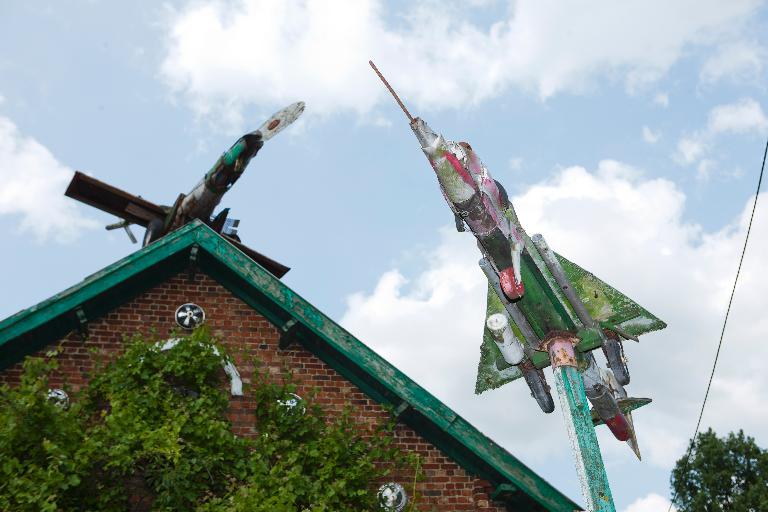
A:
561, 348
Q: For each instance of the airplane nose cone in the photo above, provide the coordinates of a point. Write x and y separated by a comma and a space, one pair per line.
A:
281, 120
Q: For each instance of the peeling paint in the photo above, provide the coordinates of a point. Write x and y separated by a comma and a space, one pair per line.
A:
586, 450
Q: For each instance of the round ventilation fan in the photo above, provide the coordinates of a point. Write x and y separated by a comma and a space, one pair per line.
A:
190, 315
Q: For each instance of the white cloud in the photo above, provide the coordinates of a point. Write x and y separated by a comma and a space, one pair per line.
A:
661, 99
224, 55
650, 136
741, 117
630, 231
704, 169
32, 184
733, 173
661, 447
744, 116
650, 503
516, 163
689, 149
734, 61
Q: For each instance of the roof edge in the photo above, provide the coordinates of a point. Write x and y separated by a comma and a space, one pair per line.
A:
255, 281
380, 370
96, 283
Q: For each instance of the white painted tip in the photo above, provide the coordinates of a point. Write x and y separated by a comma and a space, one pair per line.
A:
497, 322
510, 347
280, 120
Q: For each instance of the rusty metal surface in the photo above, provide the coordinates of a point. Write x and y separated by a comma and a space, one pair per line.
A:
560, 347
112, 200
391, 90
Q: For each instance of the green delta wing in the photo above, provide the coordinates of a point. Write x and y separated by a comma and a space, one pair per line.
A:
611, 308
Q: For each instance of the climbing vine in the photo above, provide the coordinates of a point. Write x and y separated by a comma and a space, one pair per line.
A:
150, 432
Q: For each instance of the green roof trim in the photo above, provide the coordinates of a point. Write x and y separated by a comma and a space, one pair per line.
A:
33, 328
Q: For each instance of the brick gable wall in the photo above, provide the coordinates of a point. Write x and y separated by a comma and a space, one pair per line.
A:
245, 333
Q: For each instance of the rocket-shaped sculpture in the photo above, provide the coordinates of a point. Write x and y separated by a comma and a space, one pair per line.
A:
199, 203
477, 200
540, 305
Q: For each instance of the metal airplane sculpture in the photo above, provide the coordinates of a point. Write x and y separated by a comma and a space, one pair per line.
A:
199, 203
535, 294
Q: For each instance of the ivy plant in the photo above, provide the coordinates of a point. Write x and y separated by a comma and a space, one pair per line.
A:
150, 432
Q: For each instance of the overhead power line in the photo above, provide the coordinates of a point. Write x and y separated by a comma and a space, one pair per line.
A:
727, 313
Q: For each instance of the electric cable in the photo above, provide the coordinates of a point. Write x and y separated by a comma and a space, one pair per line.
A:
727, 313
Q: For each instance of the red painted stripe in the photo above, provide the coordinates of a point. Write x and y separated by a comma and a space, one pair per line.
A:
460, 169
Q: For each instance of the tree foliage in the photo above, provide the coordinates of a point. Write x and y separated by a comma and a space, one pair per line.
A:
150, 432
728, 474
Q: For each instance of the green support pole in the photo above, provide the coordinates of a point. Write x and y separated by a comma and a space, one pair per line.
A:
578, 424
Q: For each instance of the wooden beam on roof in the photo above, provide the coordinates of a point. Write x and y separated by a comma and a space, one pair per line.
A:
105, 197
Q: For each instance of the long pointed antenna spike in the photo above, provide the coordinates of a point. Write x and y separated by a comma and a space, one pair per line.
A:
391, 90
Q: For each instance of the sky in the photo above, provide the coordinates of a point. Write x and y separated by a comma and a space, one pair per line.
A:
629, 133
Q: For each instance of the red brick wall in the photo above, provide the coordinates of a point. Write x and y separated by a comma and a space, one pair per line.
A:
245, 333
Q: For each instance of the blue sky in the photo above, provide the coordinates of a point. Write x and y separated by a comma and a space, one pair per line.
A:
630, 135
